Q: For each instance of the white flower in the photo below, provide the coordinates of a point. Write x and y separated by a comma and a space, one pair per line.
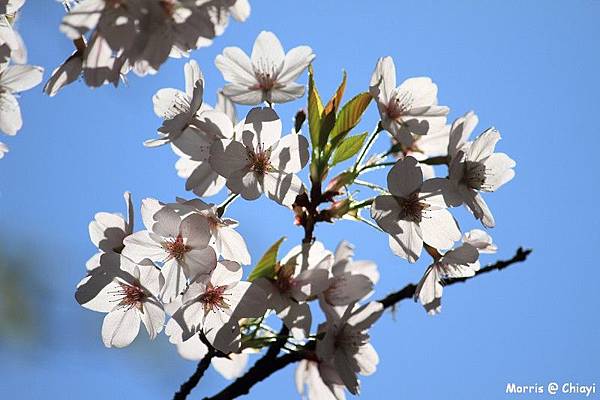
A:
268, 75
240, 11
193, 148
232, 367
108, 230
68, 72
12, 46
415, 212
226, 106
136, 35
410, 108
422, 147
351, 280
192, 127
3, 150
15, 79
128, 297
321, 379
301, 275
461, 262
226, 241
179, 109
481, 240
260, 160
10, 7
213, 303
345, 344
181, 244
474, 167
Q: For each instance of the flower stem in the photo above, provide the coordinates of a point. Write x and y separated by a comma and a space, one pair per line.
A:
223, 206
370, 185
368, 146
372, 166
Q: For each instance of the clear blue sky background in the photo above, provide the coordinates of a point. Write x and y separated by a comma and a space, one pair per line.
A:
529, 67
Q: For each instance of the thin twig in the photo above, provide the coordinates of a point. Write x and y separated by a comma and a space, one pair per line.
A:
368, 146
408, 291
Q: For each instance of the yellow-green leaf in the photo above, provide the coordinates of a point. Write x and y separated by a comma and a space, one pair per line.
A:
315, 109
266, 266
336, 100
350, 115
348, 148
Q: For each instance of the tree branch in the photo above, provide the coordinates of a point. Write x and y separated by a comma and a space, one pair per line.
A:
187, 387
262, 369
408, 291
191, 383
270, 363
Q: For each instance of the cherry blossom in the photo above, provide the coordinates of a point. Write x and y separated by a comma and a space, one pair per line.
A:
179, 109
129, 298
180, 244
415, 211
351, 280
3, 150
15, 79
461, 262
227, 242
193, 148
109, 230
191, 127
320, 379
411, 108
481, 240
301, 275
68, 72
213, 303
260, 161
267, 75
345, 344
12, 46
422, 147
475, 167
139, 36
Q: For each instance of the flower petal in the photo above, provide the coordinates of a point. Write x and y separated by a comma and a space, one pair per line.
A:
120, 327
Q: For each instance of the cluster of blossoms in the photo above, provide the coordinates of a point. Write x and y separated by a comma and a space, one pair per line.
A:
113, 37
13, 78
415, 212
185, 267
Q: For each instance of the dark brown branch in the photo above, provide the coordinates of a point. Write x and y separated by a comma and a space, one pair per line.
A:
408, 291
270, 363
262, 369
187, 387
191, 383
257, 373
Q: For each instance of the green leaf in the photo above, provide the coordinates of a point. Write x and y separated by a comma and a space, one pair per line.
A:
348, 148
350, 115
315, 109
328, 117
327, 124
266, 266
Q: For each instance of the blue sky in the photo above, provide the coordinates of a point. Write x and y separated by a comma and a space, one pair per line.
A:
529, 68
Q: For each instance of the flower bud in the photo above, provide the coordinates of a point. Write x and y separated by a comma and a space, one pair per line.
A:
336, 184
337, 210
